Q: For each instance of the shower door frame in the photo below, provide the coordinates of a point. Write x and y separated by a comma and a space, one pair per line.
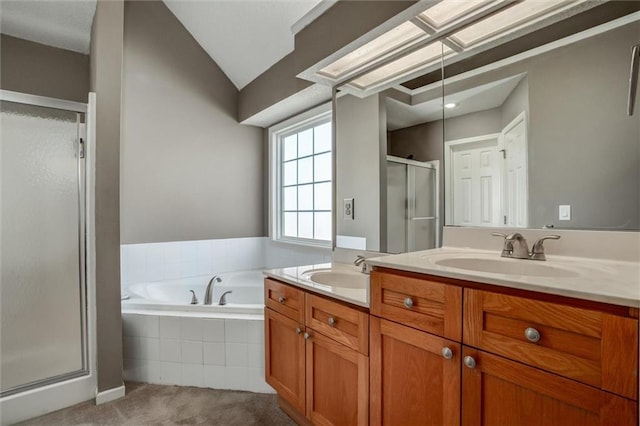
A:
60, 391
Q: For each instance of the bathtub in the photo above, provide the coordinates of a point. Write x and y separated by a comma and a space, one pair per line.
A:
246, 297
167, 340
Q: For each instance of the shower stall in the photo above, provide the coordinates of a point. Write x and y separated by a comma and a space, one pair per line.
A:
412, 205
45, 297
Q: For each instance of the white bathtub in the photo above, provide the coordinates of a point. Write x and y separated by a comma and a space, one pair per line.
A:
246, 297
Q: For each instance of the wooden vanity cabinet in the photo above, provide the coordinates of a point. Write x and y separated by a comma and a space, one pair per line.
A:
319, 366
578, 367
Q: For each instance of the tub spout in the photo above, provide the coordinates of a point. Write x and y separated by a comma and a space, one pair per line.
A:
208, 294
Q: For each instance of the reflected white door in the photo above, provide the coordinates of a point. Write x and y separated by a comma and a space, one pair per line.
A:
514, 137
474, 198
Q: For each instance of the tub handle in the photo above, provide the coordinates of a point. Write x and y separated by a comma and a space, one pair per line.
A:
194, 299
223, 298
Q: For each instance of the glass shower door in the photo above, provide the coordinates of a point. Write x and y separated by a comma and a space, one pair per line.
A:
42, 243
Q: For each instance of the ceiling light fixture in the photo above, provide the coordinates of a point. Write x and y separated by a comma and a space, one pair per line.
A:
451, 105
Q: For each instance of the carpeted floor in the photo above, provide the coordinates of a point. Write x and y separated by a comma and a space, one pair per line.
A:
147, 404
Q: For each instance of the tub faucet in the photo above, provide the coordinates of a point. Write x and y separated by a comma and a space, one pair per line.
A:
208, 293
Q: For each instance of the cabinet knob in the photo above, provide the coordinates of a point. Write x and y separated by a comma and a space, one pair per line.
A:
298, 330
532, 334
281, 299
331, 321
306, 336
447, 353
408, 303
469, 362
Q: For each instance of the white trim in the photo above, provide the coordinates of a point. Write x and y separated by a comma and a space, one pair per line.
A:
43, 101
110, 395
312, 15
318, 113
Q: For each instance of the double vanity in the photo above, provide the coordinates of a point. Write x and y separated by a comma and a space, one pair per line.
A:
457, 335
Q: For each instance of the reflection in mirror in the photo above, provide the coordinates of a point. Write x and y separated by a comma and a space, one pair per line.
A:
391, 169
528, 131
543, 139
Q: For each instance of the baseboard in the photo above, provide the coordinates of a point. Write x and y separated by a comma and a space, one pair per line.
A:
110, 395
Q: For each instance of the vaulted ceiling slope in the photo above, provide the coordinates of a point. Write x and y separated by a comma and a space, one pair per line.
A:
244, 37
64, 24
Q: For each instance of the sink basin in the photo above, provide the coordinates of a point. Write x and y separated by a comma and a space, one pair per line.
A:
507, 266
342, 279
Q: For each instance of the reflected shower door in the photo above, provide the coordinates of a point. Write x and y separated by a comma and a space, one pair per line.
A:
42, 292
422, 208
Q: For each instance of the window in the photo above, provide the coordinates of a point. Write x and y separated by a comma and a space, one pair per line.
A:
302, 181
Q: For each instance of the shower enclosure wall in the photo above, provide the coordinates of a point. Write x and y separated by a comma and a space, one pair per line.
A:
45, 299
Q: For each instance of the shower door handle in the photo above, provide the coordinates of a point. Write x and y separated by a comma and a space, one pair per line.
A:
633, 78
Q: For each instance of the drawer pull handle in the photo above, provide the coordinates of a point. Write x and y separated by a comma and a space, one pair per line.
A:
469, 362
447, 353
331, 321
408, 303
281, 299
306, 336
532, 334
298, 330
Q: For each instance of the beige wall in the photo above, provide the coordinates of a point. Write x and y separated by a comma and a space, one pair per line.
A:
189, 170
37, 69
106, 71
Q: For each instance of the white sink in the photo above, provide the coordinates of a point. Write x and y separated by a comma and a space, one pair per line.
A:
337, 278
507, 266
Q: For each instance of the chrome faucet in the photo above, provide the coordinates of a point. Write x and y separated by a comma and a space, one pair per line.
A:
208, 293
360, 262
515, 246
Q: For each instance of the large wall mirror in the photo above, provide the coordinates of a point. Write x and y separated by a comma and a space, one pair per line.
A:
531, 132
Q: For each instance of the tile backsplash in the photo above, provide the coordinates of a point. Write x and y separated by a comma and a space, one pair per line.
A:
180, 259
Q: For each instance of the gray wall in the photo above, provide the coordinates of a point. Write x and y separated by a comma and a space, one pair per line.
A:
37, 69
358, 172
189, 170
106, 73
583, 148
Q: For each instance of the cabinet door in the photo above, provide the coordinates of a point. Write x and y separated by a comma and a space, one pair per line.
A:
337, 383
284, 357
412, 383
500, 392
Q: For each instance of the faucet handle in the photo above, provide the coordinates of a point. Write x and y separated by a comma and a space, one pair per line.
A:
507, 248
537, 251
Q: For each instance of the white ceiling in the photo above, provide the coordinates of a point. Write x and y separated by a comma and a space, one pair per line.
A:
64, 24
480, 98
244, 37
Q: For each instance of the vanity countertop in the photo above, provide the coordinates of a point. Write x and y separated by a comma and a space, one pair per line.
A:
607, 281
355, 291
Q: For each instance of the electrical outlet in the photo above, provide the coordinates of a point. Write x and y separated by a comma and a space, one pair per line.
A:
347, 209
564, 212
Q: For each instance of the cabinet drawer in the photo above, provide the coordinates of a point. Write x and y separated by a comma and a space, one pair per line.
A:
283, 298
427, 305
592, 347
341, 323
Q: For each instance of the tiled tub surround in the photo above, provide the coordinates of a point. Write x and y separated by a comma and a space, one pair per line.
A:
197, 345
188, 350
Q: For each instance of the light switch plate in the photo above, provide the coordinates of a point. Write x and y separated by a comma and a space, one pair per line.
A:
347, 209
564, 212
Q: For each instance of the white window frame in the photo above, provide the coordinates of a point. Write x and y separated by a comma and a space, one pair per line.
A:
296, 124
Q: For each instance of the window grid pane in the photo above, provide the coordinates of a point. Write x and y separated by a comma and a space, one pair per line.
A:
305, 191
